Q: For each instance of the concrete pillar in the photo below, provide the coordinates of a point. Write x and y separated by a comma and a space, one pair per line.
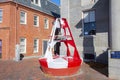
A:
114, 56
115, 24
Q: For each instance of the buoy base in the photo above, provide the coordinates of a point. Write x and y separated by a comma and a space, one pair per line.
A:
60, 72
73, 66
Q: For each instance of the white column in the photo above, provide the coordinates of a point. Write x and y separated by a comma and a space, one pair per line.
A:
115, 24
114, 67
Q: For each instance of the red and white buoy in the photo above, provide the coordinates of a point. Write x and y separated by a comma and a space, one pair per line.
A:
61, 65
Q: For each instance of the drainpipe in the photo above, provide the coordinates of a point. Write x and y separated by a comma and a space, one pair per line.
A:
17, 47
16, 5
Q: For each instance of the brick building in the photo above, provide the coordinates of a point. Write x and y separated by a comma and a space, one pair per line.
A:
26, 23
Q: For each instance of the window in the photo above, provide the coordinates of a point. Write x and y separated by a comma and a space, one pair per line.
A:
22, 45
36, 45
36, 20
89, 23
32, 1
46, 23
23, 17
36, 2
1, 15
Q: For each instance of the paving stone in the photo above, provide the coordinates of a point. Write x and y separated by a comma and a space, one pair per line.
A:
29, 69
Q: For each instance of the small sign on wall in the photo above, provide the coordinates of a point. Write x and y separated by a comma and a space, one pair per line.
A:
115, 54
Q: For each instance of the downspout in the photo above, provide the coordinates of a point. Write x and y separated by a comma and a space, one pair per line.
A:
17, 48
16, 5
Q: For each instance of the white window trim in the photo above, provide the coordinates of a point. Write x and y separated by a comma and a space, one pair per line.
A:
36, 51
37, 21
24, 44
25, 22
39, 3
46, 27
1, 15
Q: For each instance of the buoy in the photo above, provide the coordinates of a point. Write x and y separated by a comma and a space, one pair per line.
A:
57, 65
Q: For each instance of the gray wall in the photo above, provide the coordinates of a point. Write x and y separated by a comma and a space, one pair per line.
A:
97, 44
65, 9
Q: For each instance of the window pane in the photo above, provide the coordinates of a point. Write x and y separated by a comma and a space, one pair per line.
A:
86, 28
90, 28
89, 23
35, 23
86, 17
36, 43
36, 20
32, 0
22, 17
1, 15
46, 24
23, 45
92, 16
36, 1
22, 40
0, 12
0, 19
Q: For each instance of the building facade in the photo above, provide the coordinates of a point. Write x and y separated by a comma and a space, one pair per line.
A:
95, 26
89, 22
26, 23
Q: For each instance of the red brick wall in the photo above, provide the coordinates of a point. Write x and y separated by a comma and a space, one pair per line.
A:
11, 36
5, 42
5, 30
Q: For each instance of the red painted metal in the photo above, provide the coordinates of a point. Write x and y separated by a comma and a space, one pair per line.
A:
73, 67
61, 72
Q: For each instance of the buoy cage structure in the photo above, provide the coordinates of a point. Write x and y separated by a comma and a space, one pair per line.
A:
61, 65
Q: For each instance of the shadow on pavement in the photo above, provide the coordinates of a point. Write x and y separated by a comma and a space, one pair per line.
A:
102, 68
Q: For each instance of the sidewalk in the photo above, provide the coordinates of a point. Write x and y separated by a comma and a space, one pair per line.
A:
29, 69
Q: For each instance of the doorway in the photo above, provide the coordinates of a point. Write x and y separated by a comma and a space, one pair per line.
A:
0, 49
44, 46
